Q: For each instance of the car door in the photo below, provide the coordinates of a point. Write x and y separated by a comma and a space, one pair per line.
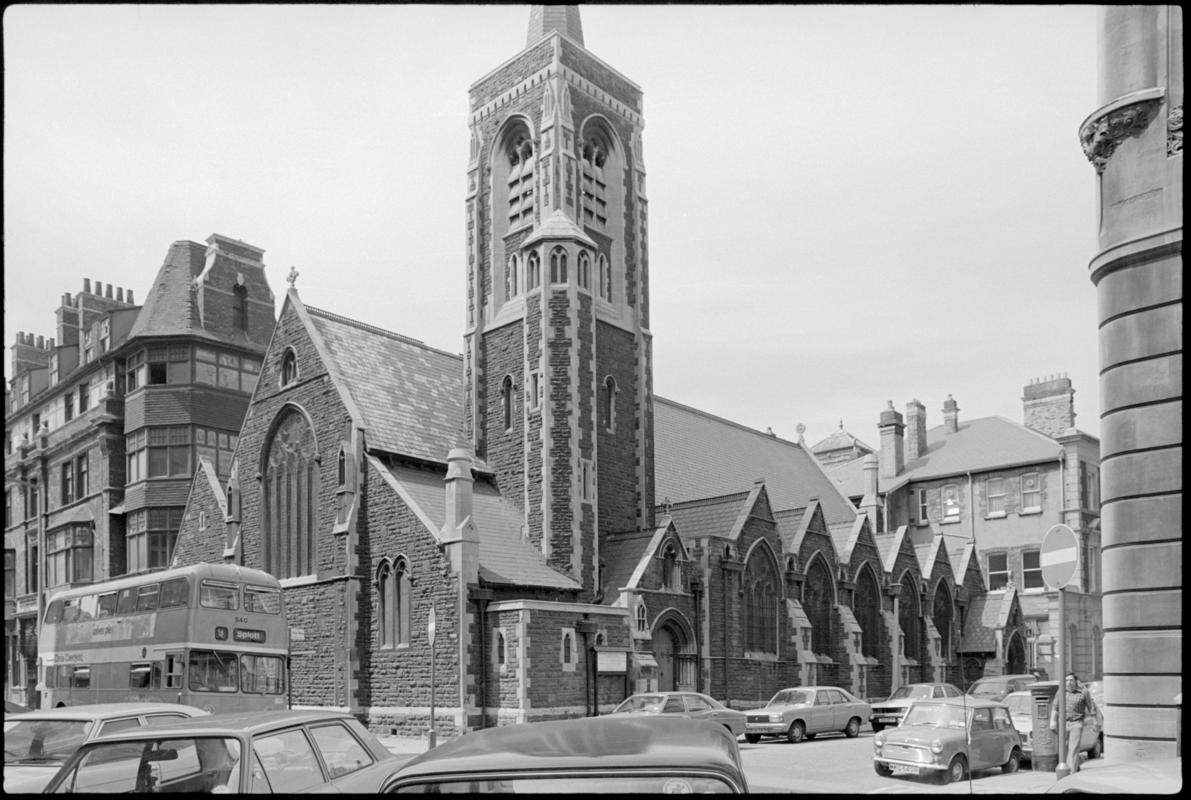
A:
822, 714
1006, 733
985, 746
697, 707
842, 710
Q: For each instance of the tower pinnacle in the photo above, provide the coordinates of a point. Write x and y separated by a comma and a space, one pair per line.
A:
547, 19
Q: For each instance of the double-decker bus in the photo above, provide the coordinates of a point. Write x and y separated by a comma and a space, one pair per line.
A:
208, 635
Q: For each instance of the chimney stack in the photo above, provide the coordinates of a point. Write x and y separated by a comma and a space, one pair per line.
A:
892, 442
459, 533
916, 435
951, 415
1048, 405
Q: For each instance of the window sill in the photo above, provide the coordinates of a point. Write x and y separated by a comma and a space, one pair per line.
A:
995, 515
951, 521
1027, 512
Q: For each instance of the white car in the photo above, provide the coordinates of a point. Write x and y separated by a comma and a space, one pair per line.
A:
37, 743
1021, 710
803, 712
890, 711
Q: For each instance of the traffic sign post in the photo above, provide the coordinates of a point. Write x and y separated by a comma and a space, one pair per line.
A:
433, 739
1059, 559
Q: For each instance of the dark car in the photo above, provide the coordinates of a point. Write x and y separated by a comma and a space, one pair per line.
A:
995, 687
691, 705
947, 739
636, 754
278, 752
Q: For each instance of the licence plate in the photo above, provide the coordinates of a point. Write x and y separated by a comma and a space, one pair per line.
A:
886, 719
902, 769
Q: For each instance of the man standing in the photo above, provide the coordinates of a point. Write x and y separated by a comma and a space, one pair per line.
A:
1079, 707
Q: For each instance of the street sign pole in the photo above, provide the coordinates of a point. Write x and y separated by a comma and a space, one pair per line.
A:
1059, 558
430, 634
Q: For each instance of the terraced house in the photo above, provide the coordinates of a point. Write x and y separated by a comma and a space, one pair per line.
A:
105, 422
573, 537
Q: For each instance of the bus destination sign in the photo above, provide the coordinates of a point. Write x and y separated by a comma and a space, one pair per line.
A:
248, 635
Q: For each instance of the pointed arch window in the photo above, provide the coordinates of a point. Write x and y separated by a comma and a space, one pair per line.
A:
642, 619
594, 184
240, 306
512, 276
584, 271
868, 612
520, 155
558, 265
909, 615
393, 602
533, 272
506, 402
818, 600
341, 469
605, 270
942, 616
608, 404
670, 567
289, 366
762, 595
291, 488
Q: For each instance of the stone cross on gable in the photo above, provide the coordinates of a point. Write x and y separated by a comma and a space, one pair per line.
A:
292, 278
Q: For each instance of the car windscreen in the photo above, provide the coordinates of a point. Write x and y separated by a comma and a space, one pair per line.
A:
184, 764
31, 741
987, 688
640, 702
791, 697
911, 692
1019, 704
934, 715
594, 782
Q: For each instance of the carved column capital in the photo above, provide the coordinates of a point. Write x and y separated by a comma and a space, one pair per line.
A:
1109, 126
1174, 131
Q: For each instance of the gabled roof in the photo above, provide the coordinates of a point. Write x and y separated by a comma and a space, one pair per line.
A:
987, 614
979, 445
620, 554
699, 455
841, 440
713, 516
505, 557
408, 395
890, 544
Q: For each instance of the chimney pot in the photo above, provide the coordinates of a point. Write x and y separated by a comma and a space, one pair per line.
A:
41, 343
120, 294
99, 288
108, 295
51, 343
131, 302
87, 285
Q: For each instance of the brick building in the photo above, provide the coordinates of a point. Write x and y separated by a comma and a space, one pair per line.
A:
575, 537
1000, 485
105, 423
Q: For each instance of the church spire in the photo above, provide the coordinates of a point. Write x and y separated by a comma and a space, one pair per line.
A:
544, 20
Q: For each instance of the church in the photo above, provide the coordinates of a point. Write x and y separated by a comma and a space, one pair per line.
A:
525, 531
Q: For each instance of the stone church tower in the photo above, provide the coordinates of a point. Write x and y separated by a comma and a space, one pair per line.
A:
557, 348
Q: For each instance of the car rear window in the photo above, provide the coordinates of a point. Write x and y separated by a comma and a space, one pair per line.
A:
593, 781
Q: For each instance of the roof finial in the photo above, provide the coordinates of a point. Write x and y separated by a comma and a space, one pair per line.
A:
841, 423
292, 278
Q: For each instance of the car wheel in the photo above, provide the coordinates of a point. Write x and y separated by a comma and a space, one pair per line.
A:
877, 727
955, 771
752, 738
796, 733
852, 730
882, 769
1014, 762
1098, 748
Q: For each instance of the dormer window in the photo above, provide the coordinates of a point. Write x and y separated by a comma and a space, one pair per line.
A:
289, 367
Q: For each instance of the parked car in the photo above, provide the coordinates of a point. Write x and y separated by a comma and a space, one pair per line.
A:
891, 710
242, 752
1021, 711
806, 711
1153, 776
38, 743
638, 754
946, 738
686, 704
995, 687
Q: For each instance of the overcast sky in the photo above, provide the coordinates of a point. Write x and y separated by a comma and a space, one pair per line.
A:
847, 204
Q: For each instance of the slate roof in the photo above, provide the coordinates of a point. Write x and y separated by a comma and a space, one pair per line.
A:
987, 614
409, 394
713, 516
505, 558
698, 455
620, 554
841, 440
979, 445
169, 309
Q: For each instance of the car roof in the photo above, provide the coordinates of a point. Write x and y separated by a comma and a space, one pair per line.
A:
240, 722
107, 710
961, 702
999, 678
589, 742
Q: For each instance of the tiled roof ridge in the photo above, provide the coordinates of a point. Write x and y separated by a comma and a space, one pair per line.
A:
762, 434
355, 323
702, 501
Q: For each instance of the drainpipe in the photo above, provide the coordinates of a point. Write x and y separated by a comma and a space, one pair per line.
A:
481, 596
697, 591
724, 616
971, 509
586, 628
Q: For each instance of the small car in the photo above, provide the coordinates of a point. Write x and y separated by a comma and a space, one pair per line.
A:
995, 687
1021, 711
316, 751
686, 704
891, 710
806, 711
38, 743
1153, 776
638, 753
946, 738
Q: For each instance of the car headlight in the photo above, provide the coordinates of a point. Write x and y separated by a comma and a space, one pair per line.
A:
879, 740
775, 717
936, 746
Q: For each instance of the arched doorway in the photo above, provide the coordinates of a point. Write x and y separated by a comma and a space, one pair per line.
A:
1015, 654
674, 652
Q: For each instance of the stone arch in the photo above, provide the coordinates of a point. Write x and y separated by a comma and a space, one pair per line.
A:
762, 587
603, 172
909, 616
512, 163
943, 616
818, 601
291, 484
1015, 654
867, 609
673, 639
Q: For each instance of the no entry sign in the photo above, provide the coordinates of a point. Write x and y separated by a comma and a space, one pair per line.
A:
1059, 556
